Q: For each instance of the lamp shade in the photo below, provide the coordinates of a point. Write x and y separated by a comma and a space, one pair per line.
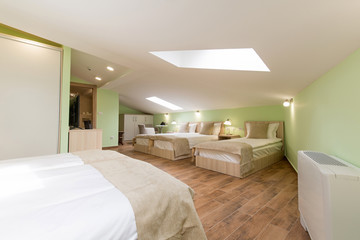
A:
173, 122
227, 122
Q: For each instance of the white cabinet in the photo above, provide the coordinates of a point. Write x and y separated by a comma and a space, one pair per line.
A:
129, 127
129, 124
29, 99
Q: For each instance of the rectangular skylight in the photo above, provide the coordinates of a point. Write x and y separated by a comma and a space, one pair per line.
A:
244, 59
164, 103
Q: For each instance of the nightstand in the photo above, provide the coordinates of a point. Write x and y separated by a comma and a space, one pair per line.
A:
227, 136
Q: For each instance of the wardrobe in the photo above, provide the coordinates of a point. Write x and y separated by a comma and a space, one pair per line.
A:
129, 124
30, 98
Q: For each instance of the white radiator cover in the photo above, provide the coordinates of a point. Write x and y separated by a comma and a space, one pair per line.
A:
329, 197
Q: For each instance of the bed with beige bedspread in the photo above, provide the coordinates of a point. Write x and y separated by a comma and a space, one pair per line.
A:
176, 146
93, 195
262, 146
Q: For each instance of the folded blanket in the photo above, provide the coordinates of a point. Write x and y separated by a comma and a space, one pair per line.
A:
180, 145
243, 149
163, 205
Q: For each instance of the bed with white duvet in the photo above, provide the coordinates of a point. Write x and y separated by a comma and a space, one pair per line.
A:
93, 195
243, 156
178, 145
261, 148
193, 139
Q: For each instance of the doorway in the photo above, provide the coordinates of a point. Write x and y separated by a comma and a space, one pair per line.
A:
82, 113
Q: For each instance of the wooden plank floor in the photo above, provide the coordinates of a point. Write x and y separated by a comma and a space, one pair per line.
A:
261, 206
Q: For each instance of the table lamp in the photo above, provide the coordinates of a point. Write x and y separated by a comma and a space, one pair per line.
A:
227, 123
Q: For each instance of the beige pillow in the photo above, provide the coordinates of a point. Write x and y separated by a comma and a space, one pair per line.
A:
141, 128
217, 128
183, 128
207, 128
258, 130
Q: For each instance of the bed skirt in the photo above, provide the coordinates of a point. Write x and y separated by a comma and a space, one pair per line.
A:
142, 148
168, 154
233, 169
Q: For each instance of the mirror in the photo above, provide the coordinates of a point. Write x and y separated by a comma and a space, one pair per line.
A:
82, 114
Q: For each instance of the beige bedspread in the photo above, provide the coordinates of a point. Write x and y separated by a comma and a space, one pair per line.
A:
243, 149
180, 145
163, 205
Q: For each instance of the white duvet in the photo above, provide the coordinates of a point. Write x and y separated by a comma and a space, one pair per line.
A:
58, 197
257, 143
193, 138
39, 163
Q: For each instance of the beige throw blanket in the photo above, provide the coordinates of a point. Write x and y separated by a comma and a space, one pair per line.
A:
180, 145
163, 205
243, 149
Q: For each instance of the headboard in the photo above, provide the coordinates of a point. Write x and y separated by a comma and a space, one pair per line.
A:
222, 129
279, 132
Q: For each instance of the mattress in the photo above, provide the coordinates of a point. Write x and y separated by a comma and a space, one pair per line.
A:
193, 138
261, 148
61, 199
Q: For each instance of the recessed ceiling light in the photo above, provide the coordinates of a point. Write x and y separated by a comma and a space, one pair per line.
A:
164, 103
98, 78
245, 59
110, 68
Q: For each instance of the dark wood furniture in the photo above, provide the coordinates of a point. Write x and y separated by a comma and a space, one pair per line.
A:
121, 133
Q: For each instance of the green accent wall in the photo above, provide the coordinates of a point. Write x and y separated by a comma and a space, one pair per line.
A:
65, 100
108, 116
126, 110
65, 84
325, 116
237, 116
18, 33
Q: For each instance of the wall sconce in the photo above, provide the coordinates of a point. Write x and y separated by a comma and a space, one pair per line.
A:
227, 122
197, 113
166, 115
287, 102
173, 122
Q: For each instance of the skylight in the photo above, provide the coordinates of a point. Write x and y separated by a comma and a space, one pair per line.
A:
244, 59
164, 103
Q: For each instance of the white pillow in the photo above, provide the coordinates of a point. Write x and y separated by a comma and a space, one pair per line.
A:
192, 127
201, 126
271, 132
217, 128
247, 129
